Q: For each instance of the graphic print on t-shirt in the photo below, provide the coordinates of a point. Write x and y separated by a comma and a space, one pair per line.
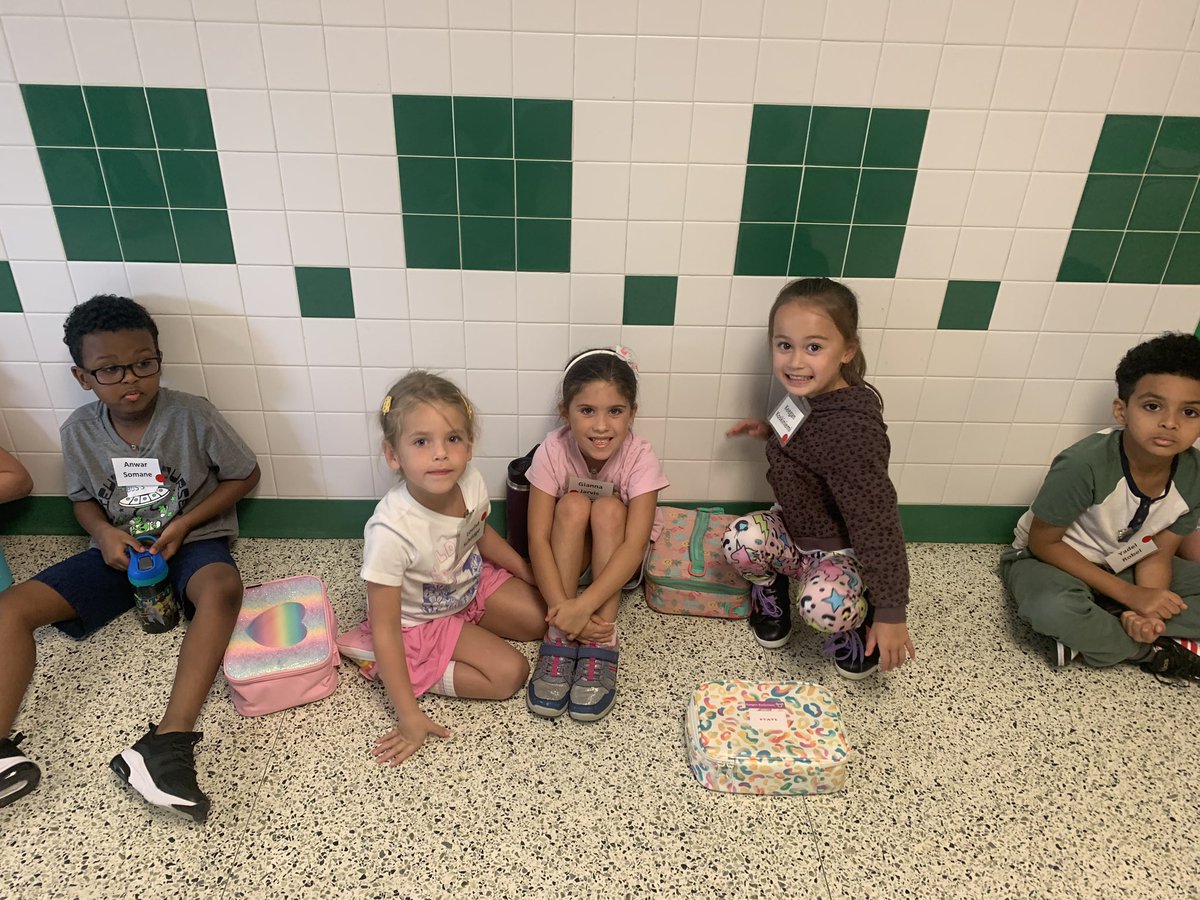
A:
145, 511
440, 599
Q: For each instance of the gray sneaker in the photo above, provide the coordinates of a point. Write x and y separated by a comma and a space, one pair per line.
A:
595, 687
549, 686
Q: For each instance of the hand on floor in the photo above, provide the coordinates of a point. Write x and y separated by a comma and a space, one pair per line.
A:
406, 739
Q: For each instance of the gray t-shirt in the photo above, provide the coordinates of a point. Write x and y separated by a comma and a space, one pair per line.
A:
193, 445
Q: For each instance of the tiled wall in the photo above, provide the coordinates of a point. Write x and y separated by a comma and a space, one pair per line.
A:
314, 196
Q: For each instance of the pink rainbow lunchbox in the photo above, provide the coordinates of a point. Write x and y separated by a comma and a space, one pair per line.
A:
766, 737
282, 652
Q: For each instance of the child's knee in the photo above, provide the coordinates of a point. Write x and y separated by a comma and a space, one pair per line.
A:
30, 605
573, 509
218, 588
512, 671
608, 516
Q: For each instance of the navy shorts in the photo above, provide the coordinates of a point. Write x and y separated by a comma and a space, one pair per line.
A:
99, 593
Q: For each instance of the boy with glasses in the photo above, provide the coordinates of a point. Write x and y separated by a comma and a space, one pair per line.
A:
144, 466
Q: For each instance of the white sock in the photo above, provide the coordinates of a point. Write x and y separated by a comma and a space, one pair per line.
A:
445, 684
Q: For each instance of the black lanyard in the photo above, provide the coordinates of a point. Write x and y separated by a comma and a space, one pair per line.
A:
1144, 502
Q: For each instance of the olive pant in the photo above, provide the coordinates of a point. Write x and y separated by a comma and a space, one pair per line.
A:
1063, 607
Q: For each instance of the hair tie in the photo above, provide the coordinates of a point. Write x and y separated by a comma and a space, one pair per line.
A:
622, 353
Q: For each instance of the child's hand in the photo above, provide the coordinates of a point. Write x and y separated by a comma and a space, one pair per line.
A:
1158, 602
598, 631
114, 543
755, 428
406, 739
570, 618
894, 643
170, 539
1143, 629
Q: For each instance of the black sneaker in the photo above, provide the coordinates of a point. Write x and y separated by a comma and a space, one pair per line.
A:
850, 657
1170, 662
162, 768
771, 612
18, 774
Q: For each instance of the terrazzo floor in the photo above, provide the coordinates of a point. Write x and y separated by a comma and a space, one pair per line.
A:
978, 771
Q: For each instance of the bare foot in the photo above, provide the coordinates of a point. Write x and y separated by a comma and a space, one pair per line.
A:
1143, 629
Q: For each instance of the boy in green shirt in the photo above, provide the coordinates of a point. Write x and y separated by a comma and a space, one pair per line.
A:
1094, 562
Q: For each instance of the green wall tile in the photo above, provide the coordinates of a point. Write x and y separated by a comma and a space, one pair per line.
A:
133, 177
1089, 255
1125, 143
88, 233
146, 235
483, 126
488, 243
57, 115
771, 193
1143, 257
968, 305
10, 300
1177, 149
428, 185
431, 242
895, 138
193, 179
827, 195
203, 235
544, 189
649, 300
884, 196
1184, 267
763, 249
325, 292
182, 119
818, 250
73, 176
836, 136
424, 125
1162, 202
1191, 221
485, 187
874, 251
778, 134
543, 129
543, 245
120, 116
1107, 201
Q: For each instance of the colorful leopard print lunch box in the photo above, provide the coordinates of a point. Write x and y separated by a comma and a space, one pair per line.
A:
766, 737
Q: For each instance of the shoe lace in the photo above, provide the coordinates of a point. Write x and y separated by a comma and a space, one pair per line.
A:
765, 601
845, 647
178, 756
1171, 664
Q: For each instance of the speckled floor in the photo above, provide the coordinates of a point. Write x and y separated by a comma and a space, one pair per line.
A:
979, 771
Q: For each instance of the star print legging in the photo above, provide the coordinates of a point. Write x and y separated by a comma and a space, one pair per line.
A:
759, 547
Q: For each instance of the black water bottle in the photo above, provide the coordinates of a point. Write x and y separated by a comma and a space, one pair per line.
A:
518, 502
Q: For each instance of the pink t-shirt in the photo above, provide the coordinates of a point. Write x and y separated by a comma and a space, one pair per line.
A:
633, 470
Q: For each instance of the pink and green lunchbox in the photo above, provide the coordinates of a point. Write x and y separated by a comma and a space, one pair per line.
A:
687, 573
766, 737
282, 652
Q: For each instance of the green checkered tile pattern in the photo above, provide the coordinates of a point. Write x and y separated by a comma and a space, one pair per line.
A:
828, 190
485, 182
325, 292
1139, 217
10, 300
132, 172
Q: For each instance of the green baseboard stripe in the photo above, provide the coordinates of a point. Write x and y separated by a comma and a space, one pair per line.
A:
261, 518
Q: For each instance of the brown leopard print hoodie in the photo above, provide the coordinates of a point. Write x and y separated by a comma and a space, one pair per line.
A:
831, 479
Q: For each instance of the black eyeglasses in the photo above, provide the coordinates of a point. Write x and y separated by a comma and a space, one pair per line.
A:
143, 368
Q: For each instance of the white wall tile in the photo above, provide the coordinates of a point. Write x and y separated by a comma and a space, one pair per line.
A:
158, 287
1006, 354
1184, 100
904, 352
979, 23
41, 50
907, 74
389, 344
543, 65
602, 131
1103, 353
981, 443
213, 290
169, 53
491, 345
44, 286
1089, 405
1162, 24
996, 198
702, 300
353, 12
298, 476
1010, 140
331, 342
787, 71
916, 304
604, 67
236, 388
708, 248
30, 232
656, 192
665, 68
15, 343
1069, 141
1072, 307
242, 120
318, 238
600, 190
487, 296
1057, 355
689, 439
493, 391
1101, 23
1043, 400
375, 239
310, 181
726, 70
419, 60
921, 483
481, 63
1027, 78
543, 297
303, 121
927, 252
660, 131
720, 133
1044, 23
932, 443
260, 237
981, 253
846, 73
1125, 308
222, 339
653, 248
940, 197
339, 389
952, 139
542, 15
969, 484
251, 180
994, 400
295, 57
363, 124
1020, 306
232, 54
435, 294
480, 14
1174, 309
943, 400
956, 353
358, 59
91, 278
437, 345
379, 293
1086, 80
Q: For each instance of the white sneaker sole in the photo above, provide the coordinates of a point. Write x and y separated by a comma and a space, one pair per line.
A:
131, 768
18, 777
773, 645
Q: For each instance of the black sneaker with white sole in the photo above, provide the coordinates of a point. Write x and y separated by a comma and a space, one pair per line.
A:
1171, 662
162, 768
18, 774
850, 657
771, 613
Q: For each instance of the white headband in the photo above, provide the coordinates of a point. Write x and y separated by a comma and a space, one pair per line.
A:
622, 353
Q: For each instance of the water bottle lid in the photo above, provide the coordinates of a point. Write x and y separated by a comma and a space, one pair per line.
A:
146, 568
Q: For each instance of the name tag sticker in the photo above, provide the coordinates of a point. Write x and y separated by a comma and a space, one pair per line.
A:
767, 715
471, 531
589, 487
139, 473
1130, 552
789, 416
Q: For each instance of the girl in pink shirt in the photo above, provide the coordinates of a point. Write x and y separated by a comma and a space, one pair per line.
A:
593, 500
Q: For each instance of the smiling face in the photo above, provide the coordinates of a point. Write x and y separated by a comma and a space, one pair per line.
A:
431, 453
1161, 419
132, 399
599, 417
807, 351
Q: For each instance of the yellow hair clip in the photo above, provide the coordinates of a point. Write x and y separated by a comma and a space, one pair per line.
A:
467, 406
387, 405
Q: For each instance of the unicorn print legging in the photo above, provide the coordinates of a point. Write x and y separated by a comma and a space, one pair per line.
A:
759, 547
